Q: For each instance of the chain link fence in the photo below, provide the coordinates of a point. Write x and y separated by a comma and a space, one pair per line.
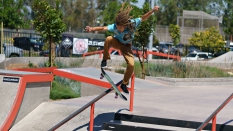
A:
28, 43
189, 23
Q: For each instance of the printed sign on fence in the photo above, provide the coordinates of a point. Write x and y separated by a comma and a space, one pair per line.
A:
80, 46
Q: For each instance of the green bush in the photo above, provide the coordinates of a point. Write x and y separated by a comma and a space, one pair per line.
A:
60, 91
63, 88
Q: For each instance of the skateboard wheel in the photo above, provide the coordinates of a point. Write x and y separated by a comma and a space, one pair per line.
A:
116, 96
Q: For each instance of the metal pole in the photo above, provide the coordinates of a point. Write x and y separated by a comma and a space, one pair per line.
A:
1, 46
83, 108
151, 35
214, 124
2, 38
91, 125
214, 113
132, 93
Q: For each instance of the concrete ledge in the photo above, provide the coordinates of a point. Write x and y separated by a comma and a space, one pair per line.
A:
192, 81
90, 90
2, 61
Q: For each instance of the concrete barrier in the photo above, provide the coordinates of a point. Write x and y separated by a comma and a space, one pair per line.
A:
2, 61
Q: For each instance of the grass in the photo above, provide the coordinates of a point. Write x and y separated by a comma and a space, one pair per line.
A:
177, 70
63, 88
60, 91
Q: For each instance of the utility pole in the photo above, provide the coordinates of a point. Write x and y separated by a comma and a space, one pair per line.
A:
1, 46
150, 44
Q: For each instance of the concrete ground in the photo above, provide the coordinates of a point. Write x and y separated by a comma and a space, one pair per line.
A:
152, 98
192, 100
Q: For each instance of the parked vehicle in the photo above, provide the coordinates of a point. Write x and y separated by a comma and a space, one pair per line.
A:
12, 51
181, 49
46, 53
217, 54
193, 49
178, 50
26, 43
195, 56
114, 52
155, 49
165, 47
231, 48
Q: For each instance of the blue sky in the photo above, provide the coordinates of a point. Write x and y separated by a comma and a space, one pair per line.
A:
140, 3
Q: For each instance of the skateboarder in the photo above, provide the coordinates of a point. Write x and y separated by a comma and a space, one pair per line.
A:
124, 29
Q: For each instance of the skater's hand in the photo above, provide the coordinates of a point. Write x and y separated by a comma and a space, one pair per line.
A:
156, 8
88, 29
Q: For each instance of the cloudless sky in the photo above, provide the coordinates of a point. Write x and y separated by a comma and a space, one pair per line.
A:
140, 3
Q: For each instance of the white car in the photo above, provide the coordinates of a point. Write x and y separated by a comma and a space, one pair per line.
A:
12, 51
195, 56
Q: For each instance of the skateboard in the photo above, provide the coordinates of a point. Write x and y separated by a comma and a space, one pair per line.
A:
118, 93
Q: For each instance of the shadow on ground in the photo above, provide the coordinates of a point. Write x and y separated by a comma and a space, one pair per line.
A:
99, 120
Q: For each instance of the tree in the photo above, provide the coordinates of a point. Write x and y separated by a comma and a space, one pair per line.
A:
48, 22
207, 39
12, 14
228, 19
144, 31
174, 31
109, 13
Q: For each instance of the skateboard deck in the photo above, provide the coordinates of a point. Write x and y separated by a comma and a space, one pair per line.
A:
104, 74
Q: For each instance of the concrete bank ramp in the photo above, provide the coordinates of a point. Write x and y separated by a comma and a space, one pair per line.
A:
20, 93
8, 92
225, 58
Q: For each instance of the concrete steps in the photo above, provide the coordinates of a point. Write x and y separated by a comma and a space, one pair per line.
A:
129, 122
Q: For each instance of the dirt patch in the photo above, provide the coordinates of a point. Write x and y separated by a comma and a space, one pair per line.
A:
19, 65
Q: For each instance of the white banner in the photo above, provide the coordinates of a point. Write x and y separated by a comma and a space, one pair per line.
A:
96, 43
80, 46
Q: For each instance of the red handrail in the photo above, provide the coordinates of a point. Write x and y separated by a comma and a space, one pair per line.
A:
139, 52
95, 82
93, 53
86, 80
214, 114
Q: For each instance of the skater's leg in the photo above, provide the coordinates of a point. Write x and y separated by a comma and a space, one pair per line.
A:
110, 42
126, 50
129, 58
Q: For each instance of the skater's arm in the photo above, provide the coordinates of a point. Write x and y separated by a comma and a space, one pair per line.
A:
148, 14
89, 29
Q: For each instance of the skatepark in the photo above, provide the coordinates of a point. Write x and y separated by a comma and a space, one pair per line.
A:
155, 103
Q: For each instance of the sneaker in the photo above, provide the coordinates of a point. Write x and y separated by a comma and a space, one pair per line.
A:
124, 88
103, 64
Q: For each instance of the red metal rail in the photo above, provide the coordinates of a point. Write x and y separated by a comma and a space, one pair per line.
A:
213, 116
41, 70
140, 53
91, 103
93, 53
88, 80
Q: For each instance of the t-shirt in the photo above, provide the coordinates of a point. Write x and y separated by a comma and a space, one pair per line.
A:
126, 36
